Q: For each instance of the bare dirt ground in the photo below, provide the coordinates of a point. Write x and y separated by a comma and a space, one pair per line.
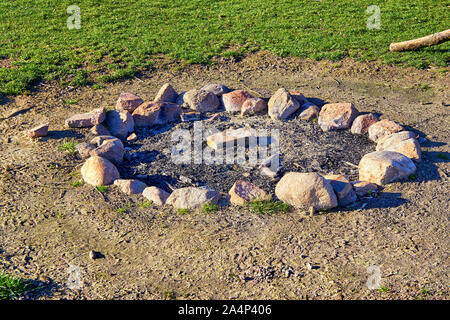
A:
46, 224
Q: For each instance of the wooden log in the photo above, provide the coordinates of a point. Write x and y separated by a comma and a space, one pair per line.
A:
427, 41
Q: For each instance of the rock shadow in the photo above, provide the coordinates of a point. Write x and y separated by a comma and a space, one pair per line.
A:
62, 134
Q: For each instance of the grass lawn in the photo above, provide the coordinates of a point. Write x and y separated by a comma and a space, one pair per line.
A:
119, 38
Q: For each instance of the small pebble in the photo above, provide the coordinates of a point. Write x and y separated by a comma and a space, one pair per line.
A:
93, 255
132, 137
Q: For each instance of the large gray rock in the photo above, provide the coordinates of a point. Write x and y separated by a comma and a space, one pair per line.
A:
98, 171
383, 167
306, 190
202, 101
192, 197
337, 116
120, 123
282, 104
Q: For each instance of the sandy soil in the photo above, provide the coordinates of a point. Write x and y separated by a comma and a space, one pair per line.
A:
46, 224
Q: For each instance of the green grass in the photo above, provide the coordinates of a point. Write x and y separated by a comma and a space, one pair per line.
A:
122, 210
69, 146
125, 208
183, 211
425, 86
102, 188
12, 287
70, 101
425, 291
268, 206
119, 38
383, 289
210, 207
169, 295
77, 184
145, 204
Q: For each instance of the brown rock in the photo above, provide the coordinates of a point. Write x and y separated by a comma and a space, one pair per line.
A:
166, 94
254, 106
120, 123
383, 167
362, 123
267, 172
132, 137
98, 171
403, 142
383, 128
202, 101
192, 197
243, 191
337, 116
310, 111
39, 131
220, 139
364, 188
306, 190
100, 130
98, 140
89, 119
128, 101
110, 148
234, 100
393, 139
130, 186
180, 100
156, 195
282, 104
299, 97
156, 113
343, 189
84, 149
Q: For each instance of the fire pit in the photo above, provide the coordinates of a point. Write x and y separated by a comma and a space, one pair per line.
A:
198, 146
